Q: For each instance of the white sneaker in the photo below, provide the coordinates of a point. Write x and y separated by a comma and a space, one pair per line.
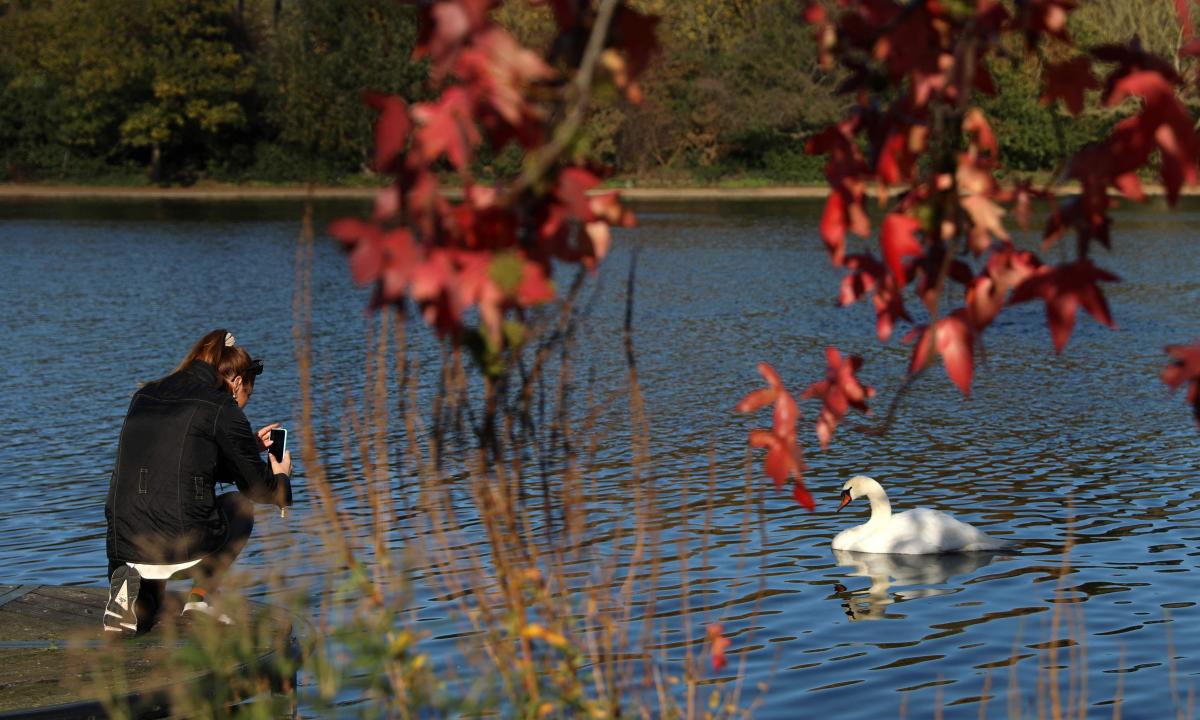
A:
203, 608
123, 587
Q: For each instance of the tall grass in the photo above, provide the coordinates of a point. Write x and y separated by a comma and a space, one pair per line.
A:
487, 472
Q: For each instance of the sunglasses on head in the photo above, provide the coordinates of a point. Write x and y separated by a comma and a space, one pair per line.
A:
255, 369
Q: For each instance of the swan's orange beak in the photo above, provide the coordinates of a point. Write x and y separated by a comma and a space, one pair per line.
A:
845, 500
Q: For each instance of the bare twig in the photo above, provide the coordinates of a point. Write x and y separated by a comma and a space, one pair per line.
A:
545, 156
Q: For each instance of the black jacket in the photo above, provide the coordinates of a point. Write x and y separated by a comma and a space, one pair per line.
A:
181, 436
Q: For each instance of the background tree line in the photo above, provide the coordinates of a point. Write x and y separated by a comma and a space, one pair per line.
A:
268, 90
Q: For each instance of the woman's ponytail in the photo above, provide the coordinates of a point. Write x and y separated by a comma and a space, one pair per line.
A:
217, 348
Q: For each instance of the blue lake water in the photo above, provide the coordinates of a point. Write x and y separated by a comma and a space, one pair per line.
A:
1084, 459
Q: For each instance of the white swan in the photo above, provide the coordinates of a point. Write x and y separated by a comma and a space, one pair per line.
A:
915, 532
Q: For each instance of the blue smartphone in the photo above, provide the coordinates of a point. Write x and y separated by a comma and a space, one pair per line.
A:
278, 443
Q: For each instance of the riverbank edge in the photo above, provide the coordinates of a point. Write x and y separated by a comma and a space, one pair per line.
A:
19, 191
286, 192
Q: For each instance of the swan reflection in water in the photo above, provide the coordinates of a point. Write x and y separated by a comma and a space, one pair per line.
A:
914, 573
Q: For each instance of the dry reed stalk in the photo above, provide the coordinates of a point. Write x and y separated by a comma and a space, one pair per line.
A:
1118, 695
984, 694
1014, 693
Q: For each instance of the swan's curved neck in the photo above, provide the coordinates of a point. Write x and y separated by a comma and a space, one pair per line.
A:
881, 509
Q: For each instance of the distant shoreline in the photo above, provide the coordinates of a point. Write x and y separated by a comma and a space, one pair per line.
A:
11, 191
17, 191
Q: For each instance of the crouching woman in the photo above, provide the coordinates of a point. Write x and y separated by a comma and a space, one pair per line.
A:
183, 434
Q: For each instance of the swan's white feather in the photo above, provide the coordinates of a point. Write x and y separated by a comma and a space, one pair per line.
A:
915, 532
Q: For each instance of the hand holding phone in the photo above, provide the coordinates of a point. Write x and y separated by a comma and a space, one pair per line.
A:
278, 443
278, 450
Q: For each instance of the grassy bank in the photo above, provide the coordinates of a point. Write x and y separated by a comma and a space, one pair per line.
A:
219, 191
735, 189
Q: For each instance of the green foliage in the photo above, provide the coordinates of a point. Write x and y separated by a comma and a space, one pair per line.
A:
736, 95
168, 91
29, 95
327, 52
255, 90
1035, 137
182, 79
190, 88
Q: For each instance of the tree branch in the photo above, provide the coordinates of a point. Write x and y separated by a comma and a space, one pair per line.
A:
545, 156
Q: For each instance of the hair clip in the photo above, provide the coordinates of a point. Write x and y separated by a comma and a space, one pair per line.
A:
228, 339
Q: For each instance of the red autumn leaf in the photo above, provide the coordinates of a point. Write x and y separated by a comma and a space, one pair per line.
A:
833, 227
835, 140
975, 124
898, 239
986, 222
474, 286
535, 287
954, 340
984, 82
1005, 269
387, 259
984, 299
897, 161
1049, 17
1123, 152
868, 275
634, 33
761, 398
927, 269
443, 27
845, 165
447, 126
1166, 121
391, 127
1021, 194
599, 239
718, 644
351, 230
814, 12
1068, 81
362, 240
838, 392
783, 456
991, 17
1091, 222
573, 186
787, 412
802, 495
1158, 91
500, 70
1132, 58
608, 207
432, 277
400, 256
911, 45
1065, 288
1184, 367
1177, 153
755, 400
887, 167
